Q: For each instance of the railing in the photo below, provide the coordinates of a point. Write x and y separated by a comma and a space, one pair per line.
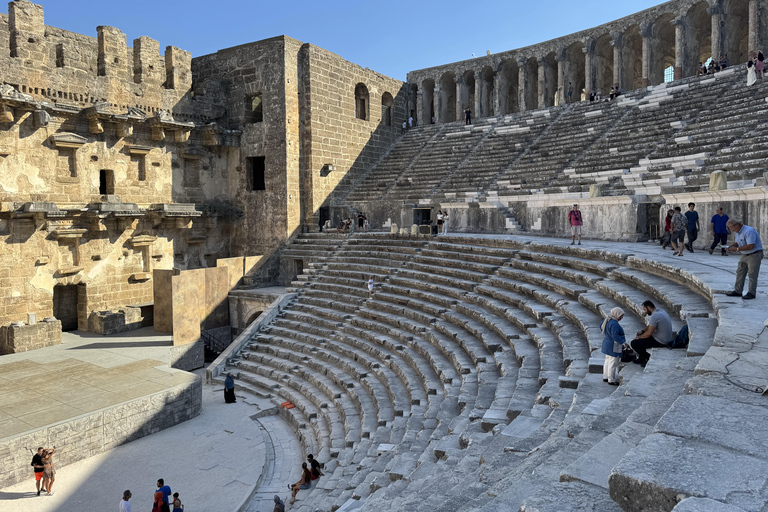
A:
269, 314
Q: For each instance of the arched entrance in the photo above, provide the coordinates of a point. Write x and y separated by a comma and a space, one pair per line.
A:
428, 100
663, 47
486, 92
508, 85
448, 98
736, 31
698, 38
632, 59
574, 71
603, 64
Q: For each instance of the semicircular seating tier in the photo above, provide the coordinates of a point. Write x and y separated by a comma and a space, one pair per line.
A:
476, 360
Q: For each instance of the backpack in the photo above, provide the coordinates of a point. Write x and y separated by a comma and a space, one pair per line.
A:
681, 340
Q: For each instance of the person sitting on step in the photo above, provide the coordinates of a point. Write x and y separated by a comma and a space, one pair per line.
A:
658, 333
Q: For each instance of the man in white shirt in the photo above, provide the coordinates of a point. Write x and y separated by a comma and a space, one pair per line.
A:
658, 333
748, 244
124, 505
410, 122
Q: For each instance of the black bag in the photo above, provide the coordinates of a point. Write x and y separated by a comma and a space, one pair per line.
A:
627, 355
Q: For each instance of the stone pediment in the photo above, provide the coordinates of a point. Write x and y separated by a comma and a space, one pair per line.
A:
68, 140
193, 153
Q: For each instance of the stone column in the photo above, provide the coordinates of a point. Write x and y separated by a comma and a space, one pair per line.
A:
419, 107
542, 82
680, 59
561, 82
522, 84
459, 110
618, 61
716, 12
496, 95
589, 71
479, 88
436, 104
645, 33
753, 39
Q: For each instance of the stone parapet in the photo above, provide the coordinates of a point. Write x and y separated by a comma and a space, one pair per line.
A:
20, 337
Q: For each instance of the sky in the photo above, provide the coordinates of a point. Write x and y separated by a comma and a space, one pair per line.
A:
389, 37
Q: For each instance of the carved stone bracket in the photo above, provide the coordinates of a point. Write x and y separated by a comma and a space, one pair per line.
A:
67, 140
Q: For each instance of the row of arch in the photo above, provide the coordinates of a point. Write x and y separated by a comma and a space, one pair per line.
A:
632, 58
362, 105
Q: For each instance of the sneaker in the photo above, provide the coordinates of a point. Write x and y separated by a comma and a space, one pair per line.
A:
733, 294
579, 243
711, 251
613, 383
749, 296
573, 243
50, 493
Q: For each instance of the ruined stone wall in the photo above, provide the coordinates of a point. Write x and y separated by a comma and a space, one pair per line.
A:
334, 134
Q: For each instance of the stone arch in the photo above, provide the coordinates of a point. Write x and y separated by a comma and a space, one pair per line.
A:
698, 40
447, 113
468, 91
412, 101
508, 87
550, 79
428, 100
362, 100
574, 71
632, 59
531, 92
486, 92
736, 31
252, 317
663, 51
387, 109
603, 64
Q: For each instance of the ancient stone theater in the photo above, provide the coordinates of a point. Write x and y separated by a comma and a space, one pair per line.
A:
393, 288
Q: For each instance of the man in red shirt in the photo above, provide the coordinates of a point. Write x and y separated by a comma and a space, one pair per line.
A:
574, 218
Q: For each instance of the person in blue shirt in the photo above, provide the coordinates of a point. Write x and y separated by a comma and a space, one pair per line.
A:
748, 244
613, 344
720, 231
693, 225
166, 490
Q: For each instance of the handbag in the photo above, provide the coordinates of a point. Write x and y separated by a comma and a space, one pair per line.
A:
627, 354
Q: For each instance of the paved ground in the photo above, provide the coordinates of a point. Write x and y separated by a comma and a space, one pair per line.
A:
85, 373
213, 461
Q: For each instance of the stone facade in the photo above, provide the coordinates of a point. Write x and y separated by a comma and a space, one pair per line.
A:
632, 52
21, 337
91, 434
116, 161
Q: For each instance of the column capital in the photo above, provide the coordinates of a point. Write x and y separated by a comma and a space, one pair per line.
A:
645, 29
540, 60
715, 10
521, 61
617, 40
679, 21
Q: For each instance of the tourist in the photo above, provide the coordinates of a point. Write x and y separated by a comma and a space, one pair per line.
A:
229, 389
574, 219
371, 289
712, 66
360, 221
279, 505
599, 95
314, 468
679, 226
583, 95
467, 116
702, 70
365, 223
177, 506
748, 244
440, 218
719, 231
304, 483
724, 61
405, 126
433, 120
570, 92
37, 464
125, 506
667, 238
658, 333
157, 503
692, 216
751, 75
410, 122
49, 473
166, 491
445, 222
759, 65
613, 345
592, 96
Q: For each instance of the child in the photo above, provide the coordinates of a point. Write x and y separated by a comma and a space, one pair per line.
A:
177, 506
370, 287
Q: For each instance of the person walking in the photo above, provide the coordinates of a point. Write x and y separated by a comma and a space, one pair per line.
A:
759, 65
125, 506
613, 345
679, 225
692, 216
467, 116
37, 464
658, 333
446, 218
229, 389
719, 231
570, 92
751, 74
177, 506
166, 491
748, 244
667, 238
49, 473
410, 122
371, 289
574, 219
405, 126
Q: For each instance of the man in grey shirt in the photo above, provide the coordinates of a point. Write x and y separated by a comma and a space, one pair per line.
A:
658, 333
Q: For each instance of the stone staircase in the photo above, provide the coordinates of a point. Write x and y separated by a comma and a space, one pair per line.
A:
466, 382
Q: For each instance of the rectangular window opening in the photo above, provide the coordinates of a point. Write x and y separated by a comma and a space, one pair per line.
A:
257, 109
137, 162
59, 55
106, 182
256, 168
